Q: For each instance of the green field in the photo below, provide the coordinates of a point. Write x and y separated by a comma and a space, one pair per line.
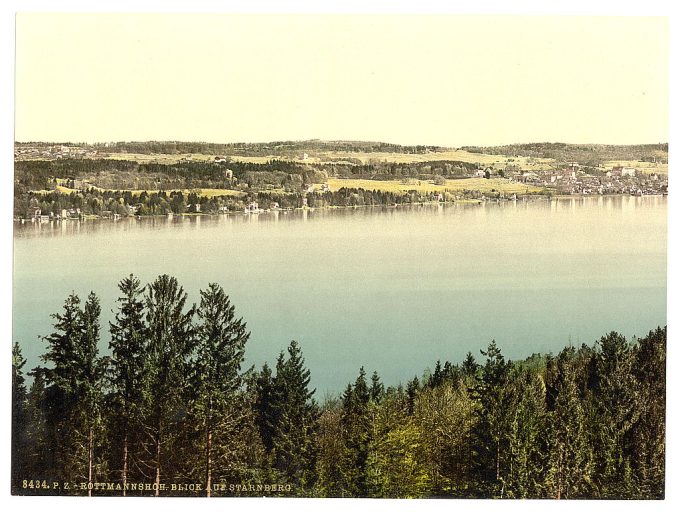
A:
481, 184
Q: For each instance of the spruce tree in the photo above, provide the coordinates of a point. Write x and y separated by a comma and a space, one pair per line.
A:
73, 382
357, 435
294, 417
490, 437
218, 407
170, 340
615, 395
569, 465
91, 376
20, 421
377, 388
128, 347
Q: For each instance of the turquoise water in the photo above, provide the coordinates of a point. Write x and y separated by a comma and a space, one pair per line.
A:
391, 289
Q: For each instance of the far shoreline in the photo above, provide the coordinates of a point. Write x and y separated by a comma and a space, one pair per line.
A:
531, 198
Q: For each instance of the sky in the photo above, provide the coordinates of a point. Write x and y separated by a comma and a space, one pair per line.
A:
447, 80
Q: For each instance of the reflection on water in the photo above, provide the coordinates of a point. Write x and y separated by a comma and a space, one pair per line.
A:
393, 289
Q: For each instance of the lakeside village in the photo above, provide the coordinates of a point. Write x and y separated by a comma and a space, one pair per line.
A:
569, 179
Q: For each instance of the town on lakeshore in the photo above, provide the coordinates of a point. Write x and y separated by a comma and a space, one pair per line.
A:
60, 181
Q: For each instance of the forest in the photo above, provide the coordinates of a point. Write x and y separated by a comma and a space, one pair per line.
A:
169, 409
588, 154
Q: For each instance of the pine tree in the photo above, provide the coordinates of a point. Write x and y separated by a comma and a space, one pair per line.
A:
412, 388
377, 387
73, 390
469, 367
614, 391
526, 436
20, 421
127, 374
61, 385
265, 413
356, 426
294, 414
569, 465
92, 370
40, 454
218, 405
490, 437
170, 339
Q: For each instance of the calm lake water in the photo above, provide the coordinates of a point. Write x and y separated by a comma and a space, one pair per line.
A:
391, 289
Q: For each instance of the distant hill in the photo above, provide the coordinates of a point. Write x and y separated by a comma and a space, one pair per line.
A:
275, 148
588, 154
559, 152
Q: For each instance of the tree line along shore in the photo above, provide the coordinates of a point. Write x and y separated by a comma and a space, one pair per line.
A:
169, 409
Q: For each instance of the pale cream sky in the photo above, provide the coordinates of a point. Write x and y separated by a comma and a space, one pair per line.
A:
410, 79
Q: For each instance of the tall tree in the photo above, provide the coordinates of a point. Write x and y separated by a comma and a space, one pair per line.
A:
490, 437
526, 435
20, 420
128, 347
92, 370
356, 435
569, 465
295, 420
61, 385
73, 390
218, 408
171, 343
614, 391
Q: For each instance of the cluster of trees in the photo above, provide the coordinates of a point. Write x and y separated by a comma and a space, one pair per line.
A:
97, 202
590, 154
126, 203
171, 404
123, 174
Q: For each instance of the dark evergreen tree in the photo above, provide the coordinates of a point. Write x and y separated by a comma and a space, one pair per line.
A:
265, 413
356, 427
527, 436
614, 391
126, 376
377, 387
490, 441
171, 344
218, 408
294, 415
412, 388
91, 376
73, 391
21, 443
469, 367
570, 464
61, 387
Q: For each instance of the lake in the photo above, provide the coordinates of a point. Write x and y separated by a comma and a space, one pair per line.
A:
392, 289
